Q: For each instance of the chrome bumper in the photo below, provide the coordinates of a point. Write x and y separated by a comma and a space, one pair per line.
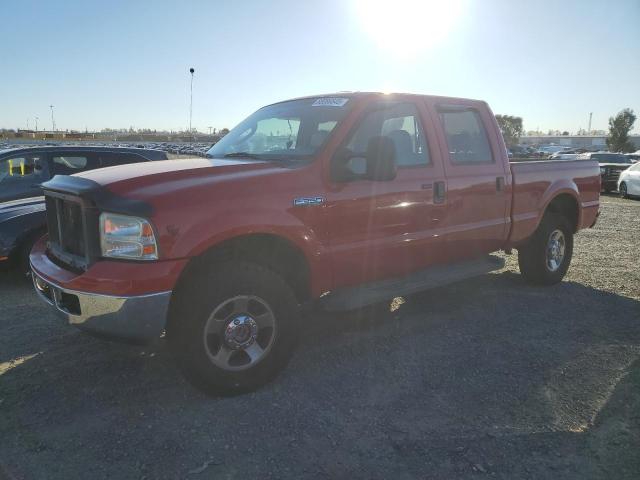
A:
136, 318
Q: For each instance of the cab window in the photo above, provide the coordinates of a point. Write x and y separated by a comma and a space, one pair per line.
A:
466, 137
399, 122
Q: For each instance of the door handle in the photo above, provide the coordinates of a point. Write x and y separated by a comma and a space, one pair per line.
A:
438, 192
499, 184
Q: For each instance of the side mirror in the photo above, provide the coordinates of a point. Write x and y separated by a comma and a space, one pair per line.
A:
381, 159
377, 164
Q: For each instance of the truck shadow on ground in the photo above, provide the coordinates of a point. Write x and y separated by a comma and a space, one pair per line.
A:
489, 375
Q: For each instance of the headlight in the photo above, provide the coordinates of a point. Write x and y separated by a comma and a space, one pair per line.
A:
603, 170
123, 236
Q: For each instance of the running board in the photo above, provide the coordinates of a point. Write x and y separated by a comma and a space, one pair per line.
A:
359, 296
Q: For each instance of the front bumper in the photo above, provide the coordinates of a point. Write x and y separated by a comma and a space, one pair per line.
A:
141, 317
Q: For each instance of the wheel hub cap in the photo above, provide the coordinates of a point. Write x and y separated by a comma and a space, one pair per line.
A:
555, 250
241, 332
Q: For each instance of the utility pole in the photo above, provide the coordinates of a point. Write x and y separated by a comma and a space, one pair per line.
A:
589, 130
53, 122
191, 71
209, 130
36, 124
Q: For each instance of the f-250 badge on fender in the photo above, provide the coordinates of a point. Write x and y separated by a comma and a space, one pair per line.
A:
305, 201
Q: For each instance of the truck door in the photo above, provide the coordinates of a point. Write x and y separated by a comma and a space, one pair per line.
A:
383, 229
477, 183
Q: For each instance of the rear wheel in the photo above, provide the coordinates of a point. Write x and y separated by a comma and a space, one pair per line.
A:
545, 259
233, 329
623, 190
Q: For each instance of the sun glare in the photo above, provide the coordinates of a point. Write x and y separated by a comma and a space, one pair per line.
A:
404, 28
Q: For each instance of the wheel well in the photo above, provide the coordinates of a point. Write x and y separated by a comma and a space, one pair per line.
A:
271, 251
567, 206
25, 239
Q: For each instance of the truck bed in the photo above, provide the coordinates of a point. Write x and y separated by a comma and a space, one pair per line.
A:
535, 183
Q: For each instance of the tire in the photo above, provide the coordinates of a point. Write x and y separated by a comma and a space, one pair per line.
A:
623, 190
245, 309
539, 260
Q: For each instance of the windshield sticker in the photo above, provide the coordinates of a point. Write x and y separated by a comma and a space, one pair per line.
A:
330, 102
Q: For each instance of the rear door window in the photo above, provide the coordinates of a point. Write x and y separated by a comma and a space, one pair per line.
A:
466, 137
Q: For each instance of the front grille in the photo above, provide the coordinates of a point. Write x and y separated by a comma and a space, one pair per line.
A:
66, 225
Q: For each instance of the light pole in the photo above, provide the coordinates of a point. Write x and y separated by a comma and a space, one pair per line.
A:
191, 71
53, 122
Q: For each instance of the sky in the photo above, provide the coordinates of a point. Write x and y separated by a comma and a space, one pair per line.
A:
122, 63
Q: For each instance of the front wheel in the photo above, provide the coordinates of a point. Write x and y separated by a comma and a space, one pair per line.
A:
234, 328
623, 190
545, 259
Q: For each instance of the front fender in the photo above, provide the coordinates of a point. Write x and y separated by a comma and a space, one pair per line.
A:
302, 227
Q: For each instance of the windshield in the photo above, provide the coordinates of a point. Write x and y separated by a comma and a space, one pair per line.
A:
20, 167
294, 129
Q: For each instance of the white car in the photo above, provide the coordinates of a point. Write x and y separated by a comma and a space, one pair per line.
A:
629, 181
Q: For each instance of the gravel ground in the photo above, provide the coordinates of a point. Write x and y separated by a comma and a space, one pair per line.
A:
488, 378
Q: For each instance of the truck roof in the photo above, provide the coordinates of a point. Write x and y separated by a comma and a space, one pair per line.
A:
357, 94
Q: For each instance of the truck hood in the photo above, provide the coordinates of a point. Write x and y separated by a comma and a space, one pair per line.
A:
165, 169
135, 187
23, 206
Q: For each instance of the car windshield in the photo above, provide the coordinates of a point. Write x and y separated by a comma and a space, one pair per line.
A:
293, 129
611, 158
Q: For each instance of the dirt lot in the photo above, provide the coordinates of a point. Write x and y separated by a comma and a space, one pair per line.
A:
489, 378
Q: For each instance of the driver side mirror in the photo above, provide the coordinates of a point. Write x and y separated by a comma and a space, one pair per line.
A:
377, 164
381, 159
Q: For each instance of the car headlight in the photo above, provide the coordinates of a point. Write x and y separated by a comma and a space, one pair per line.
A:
603, 170
124, 236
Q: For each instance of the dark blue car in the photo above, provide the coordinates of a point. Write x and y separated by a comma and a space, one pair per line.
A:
22, 170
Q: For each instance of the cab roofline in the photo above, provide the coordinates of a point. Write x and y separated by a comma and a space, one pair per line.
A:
356, 94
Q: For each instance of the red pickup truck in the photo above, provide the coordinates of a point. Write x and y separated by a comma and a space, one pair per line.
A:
336, 200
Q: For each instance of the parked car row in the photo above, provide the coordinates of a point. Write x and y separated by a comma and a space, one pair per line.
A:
197, 149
